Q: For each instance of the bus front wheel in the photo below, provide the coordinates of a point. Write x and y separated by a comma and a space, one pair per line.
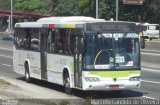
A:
68, 90
27, 75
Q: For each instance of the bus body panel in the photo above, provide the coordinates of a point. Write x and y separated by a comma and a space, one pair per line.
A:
20, 57
33, 60
55, 66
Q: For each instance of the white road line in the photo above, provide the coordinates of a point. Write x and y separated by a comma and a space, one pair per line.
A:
153, 42
2, 48
150, 50
153, 54
5, 65
147, 69
151, 81
148, 97
6, 56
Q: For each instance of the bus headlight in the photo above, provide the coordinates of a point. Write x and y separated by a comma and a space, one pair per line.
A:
137, 78
92, 79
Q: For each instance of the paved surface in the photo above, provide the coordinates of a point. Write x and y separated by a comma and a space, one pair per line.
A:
151, 55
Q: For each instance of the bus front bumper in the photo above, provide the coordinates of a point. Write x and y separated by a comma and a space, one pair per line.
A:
104, 85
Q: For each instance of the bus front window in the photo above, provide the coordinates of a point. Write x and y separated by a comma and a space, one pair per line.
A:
98, 49
112, 51
126, 51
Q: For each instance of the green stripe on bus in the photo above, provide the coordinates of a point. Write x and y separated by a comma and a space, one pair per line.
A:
114, 74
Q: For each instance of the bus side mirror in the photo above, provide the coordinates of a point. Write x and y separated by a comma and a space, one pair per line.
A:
142, 42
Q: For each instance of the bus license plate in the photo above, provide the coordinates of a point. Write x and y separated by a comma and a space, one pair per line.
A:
113, 87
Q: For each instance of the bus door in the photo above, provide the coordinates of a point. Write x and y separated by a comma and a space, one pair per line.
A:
43, 51
78, 61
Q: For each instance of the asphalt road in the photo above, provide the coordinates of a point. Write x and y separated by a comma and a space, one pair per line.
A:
151, 55
150, 75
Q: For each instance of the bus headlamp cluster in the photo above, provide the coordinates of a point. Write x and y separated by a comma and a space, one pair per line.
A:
137, 78
92, 79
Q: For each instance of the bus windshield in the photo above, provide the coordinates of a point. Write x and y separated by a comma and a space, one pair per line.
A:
112, 51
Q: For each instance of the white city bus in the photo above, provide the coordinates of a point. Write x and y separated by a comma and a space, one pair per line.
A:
78, 52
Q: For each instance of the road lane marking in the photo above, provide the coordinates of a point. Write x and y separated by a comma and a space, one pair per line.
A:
2, 48
5, 65
153, 54
154, 41
6, 56
147, 69
149, 97
150, 81
150, 50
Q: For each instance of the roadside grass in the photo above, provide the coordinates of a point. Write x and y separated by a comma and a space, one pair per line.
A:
3, 82
56, 102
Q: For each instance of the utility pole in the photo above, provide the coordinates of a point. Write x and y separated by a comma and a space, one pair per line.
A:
96, 9
117, 9
11, 15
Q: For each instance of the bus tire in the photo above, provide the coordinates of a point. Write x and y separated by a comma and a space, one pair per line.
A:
27, 74
68, 90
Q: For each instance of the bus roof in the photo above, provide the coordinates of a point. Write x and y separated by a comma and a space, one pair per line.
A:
72, 19
61, 22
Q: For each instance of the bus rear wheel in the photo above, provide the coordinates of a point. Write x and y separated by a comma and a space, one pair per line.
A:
27, 74
68, 90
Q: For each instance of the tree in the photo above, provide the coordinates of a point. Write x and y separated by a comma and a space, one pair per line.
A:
30, 5
153, 11
87, 7
134, 13
66, 8
107, 9
4, 4
148, 12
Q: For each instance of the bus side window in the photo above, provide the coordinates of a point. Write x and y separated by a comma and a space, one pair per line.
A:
35, 42
63, 43
50, 40
57, 42
15, 41
20, 38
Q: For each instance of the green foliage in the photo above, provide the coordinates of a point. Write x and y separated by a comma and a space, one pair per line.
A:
4, 4
66, 8
87, 7
29, 5
107, 9
148, 12
153, 9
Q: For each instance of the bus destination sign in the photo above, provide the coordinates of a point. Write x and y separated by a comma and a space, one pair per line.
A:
110, 27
